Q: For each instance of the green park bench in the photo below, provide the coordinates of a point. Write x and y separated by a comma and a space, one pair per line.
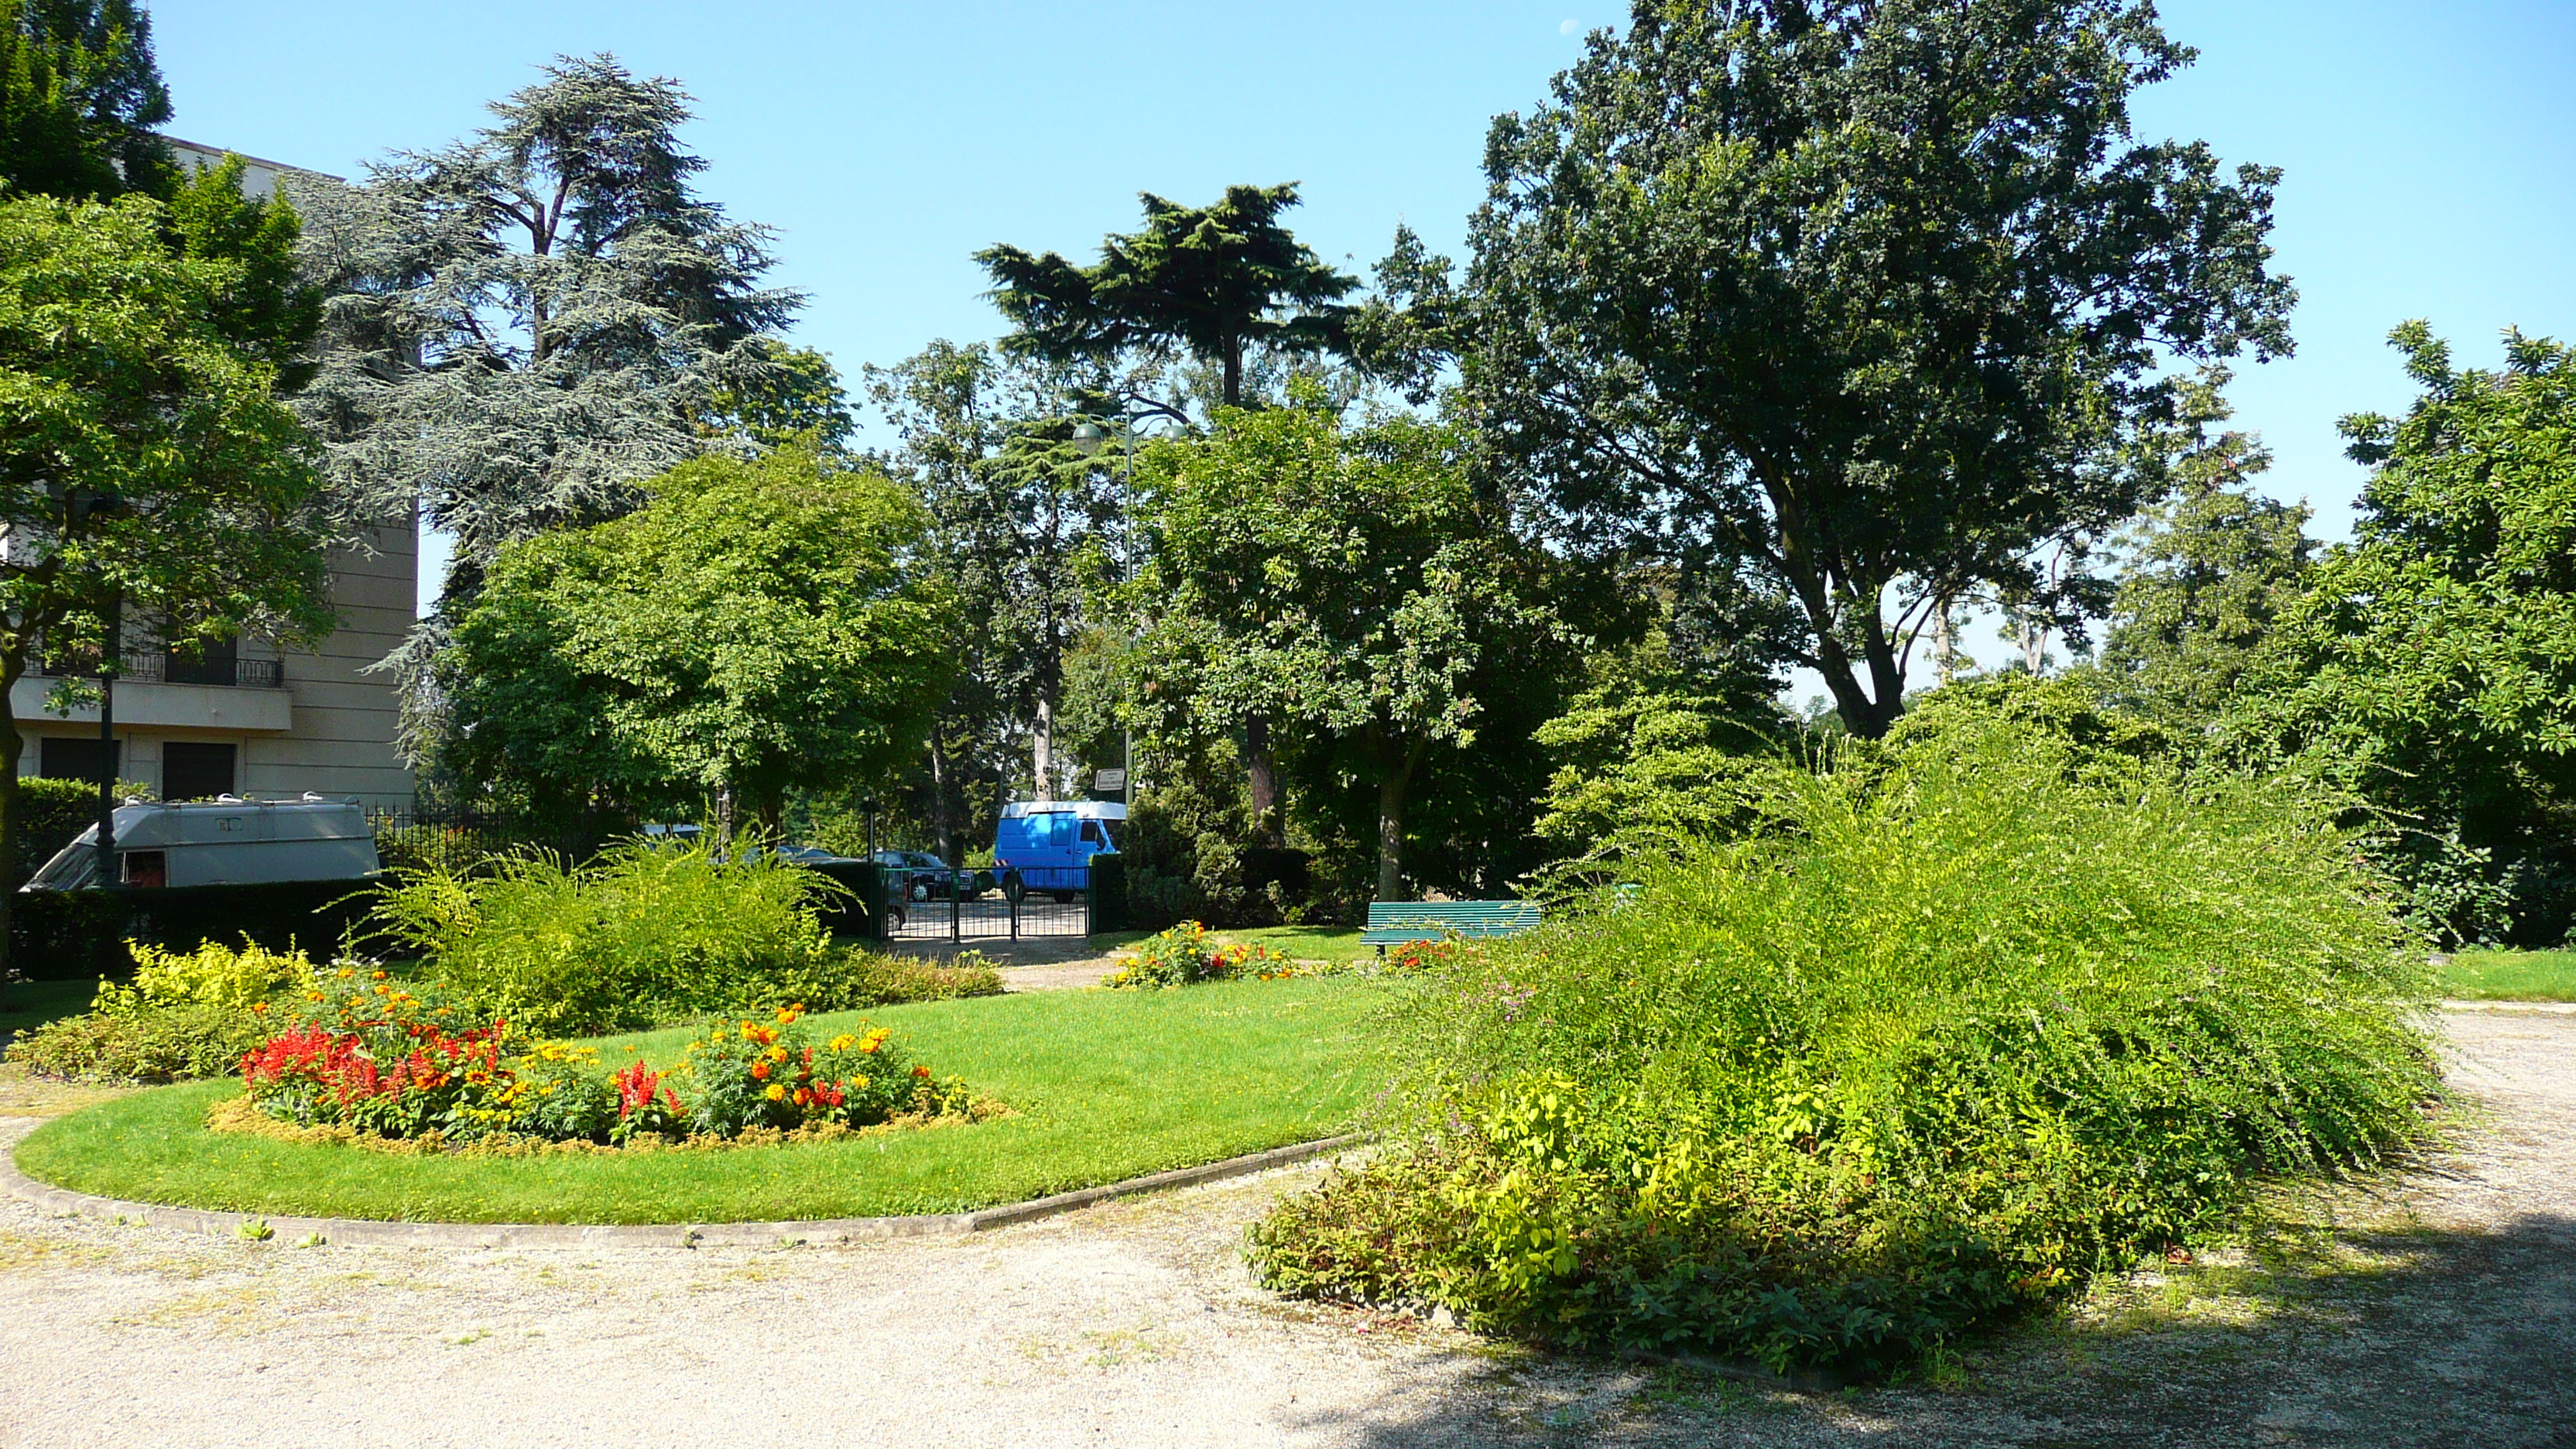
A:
1392, 923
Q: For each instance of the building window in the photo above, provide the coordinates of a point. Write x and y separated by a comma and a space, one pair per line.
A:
203, 661
72, 757
191, 771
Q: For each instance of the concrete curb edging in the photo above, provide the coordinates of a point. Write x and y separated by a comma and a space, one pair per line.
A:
367, 1233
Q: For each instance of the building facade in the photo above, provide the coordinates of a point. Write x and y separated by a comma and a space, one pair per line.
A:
252, 719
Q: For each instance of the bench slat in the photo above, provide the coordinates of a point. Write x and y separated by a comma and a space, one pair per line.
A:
1393, 922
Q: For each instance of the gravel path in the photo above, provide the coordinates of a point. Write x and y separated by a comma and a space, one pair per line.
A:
2443, 1312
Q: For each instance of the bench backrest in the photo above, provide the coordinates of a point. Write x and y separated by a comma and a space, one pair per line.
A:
1417, 920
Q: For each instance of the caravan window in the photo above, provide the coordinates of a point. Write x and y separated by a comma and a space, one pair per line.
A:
147, 869
1091, 833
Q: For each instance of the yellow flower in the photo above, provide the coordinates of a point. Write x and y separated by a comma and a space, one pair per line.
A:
842, 1042
775, 1092
856, 1084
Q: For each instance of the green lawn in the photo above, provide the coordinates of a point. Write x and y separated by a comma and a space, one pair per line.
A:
2511, 976
1107, 1085
27, 1005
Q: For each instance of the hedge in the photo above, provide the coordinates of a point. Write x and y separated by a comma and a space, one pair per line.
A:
66, 935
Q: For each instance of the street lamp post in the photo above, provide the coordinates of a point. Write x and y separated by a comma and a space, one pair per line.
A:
107, 667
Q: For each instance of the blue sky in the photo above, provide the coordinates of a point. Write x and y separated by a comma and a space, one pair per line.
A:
2430, 147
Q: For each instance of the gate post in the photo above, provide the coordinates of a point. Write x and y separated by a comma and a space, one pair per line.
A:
956, 893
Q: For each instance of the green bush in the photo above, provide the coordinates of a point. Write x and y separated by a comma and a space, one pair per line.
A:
847, 980
51, 813
646, 933
1948, 1031
1186, 955
182, 1016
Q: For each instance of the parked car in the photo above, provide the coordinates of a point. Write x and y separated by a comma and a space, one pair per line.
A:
222, 842
1047, 845
925, 877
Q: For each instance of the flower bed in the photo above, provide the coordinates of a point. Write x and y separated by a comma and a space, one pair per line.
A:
1186, 955
369, 1058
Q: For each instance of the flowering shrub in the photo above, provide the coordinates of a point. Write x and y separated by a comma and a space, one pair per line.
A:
773, 1074
1186, 955
369, 1055
181, 1016
1424, 956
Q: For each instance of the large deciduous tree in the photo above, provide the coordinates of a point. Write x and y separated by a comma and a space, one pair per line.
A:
529, 322
757, 627
2431, 662
1343, 580
1866, 295
144, 457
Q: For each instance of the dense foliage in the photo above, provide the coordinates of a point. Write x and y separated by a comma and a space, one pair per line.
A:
181, 1016
647, 933
2430, 664
144, 457
756, 627
81, 100
1858, 302
1951, 1030
1336, 581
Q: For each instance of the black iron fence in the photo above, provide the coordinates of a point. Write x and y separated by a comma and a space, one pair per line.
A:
461, 841
172, 669
1000, 904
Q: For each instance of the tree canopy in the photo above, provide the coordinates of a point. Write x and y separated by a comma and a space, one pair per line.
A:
1212, 281
758, 626
1340, 580
1861, 298
526, 324
2431, 662
2208, 572
143, 454
80, 98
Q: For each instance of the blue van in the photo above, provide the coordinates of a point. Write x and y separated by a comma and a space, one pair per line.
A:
1047, 845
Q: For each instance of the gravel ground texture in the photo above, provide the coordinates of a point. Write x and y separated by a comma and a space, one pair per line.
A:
2440, 1309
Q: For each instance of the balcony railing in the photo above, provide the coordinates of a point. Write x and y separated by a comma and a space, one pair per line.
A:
165, 669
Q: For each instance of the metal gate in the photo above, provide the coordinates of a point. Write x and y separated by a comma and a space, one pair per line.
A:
990, 905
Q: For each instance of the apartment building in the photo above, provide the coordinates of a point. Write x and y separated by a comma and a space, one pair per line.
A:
250, 718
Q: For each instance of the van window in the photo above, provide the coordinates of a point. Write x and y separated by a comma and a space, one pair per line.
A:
147, 869
1091, 833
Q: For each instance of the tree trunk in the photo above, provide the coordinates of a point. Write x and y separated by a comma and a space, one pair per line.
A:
1941, 643
1231, 385
724, 816
2034, 644
1265, 782
1390, 837
939, 821
1042, 749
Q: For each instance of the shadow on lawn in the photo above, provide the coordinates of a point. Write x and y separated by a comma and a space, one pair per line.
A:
2387, 1336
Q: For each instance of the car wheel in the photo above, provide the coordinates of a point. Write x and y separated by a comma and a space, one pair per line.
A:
1012, 888
1064, 898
